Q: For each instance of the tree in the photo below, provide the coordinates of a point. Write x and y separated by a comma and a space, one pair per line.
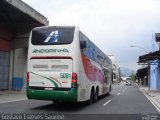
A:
133, 76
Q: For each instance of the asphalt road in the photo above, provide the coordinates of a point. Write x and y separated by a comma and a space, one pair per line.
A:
122, 100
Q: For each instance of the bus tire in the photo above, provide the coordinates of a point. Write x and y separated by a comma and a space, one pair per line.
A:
96, 96
109, 91
90, 101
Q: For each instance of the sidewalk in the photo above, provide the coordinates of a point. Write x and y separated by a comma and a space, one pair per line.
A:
12, 96
153, 96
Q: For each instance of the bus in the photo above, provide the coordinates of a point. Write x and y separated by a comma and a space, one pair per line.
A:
65, 66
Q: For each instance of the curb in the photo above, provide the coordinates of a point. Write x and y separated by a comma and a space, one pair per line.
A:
148, 93
150, 98
12, 96
153, 102
1, 102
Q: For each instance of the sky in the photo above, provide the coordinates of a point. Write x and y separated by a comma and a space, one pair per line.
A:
113, 25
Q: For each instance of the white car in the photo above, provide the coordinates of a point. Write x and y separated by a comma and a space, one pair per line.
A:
128, 82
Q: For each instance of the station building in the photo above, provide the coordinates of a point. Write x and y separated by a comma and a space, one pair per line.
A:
152, 72
17, 20
116, 75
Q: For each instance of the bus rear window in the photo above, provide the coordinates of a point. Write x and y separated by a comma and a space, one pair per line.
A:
52, 36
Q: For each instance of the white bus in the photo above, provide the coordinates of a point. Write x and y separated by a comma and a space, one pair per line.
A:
64, 65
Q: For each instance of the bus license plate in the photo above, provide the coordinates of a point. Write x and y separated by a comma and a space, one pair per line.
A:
48, 88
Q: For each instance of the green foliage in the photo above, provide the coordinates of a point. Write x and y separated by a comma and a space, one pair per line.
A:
133, 77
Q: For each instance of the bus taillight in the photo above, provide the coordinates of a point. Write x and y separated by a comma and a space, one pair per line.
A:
74, 80
27, 81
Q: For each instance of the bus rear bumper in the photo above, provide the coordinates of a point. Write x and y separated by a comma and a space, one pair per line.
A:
66, 96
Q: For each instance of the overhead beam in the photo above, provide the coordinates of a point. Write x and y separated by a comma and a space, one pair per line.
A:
28, 10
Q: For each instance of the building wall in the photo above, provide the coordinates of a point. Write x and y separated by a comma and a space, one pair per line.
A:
158, 77
154, 69
115, 67
13, 58
5, 46
4, 69
153, 77
20, 49
20, 68
11, 62
20, 41
16, 18
5, 37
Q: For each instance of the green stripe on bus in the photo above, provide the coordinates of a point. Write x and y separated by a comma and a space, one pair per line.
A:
70, 96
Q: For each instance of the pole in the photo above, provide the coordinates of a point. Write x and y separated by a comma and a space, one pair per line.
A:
148, 76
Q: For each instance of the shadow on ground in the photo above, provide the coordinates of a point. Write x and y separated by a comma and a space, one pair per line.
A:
65, 106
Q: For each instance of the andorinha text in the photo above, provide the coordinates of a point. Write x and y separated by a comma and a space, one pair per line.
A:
49, 50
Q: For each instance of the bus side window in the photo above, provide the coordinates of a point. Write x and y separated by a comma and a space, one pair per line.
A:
106, 72
83, 44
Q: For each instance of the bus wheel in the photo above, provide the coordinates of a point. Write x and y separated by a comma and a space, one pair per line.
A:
109, 91
91, 98
95, 96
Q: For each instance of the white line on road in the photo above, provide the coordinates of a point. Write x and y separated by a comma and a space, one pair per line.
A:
123, 90
107, 102
118, 93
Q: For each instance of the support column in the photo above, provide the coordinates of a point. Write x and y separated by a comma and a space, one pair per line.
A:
11, 68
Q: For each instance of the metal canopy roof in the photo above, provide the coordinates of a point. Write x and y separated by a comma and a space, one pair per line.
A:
21, 17
151, 58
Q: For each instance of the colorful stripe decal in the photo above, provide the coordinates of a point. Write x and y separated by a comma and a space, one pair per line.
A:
55, 84
92, 72
57, 81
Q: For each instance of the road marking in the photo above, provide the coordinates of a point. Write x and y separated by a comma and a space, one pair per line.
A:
123, 90
118, 93
107, 102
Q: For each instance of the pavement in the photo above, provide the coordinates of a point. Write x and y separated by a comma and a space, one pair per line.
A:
12, 96
153, 96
